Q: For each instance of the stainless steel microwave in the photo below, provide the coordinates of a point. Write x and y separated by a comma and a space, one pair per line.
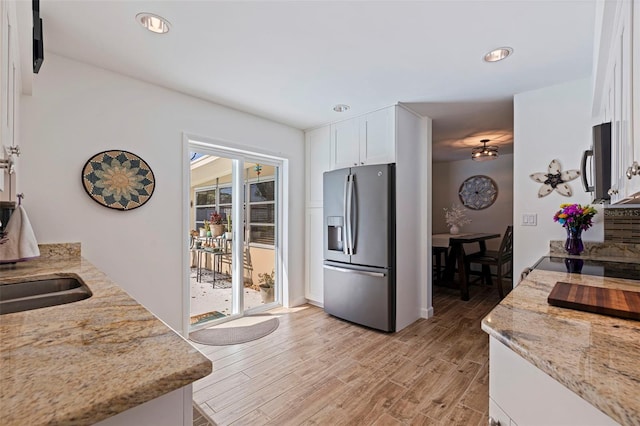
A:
596, 176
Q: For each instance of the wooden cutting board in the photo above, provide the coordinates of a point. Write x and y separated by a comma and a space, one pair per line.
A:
606, 301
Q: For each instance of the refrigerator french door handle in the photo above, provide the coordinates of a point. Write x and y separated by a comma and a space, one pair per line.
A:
345, 206
349, 218
355, 271
354, 210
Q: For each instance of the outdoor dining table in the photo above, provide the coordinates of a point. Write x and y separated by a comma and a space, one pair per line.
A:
456, 255
216, 253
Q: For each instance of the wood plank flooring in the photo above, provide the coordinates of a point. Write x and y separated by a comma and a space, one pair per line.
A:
317, 369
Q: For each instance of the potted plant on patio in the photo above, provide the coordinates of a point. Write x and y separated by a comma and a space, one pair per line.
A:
228, 235
266, 284
217, 228
205, 231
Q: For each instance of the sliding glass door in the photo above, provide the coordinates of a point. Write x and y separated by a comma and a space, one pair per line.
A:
234, 234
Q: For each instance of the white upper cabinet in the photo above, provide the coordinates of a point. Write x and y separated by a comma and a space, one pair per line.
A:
9, 71
617, 96
345, 143
634, 181
377, 137
16, 24
368, 139
317, 162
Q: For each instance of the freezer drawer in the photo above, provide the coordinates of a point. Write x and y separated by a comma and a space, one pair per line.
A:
361, 295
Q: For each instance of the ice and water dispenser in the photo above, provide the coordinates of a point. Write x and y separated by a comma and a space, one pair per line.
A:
335, 234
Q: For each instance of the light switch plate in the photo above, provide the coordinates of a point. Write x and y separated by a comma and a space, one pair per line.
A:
529, 219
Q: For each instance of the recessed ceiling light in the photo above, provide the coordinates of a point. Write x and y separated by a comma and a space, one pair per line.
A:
154, 23
341, 108
498, 54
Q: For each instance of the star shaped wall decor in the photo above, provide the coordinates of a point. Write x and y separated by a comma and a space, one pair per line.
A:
555, 179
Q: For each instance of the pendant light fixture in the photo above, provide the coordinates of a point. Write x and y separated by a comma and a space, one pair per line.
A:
484, 152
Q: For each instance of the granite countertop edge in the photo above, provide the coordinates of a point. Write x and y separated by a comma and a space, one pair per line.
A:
541, 346
86, 361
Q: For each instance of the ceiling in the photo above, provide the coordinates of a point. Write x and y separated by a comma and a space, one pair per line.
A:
292, 61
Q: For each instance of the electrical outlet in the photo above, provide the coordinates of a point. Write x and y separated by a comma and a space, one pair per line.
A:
529, 219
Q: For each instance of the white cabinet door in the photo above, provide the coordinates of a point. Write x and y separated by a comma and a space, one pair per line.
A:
530, 397
378, 136
166, 410
314, 290
499, 417
626, 94
318, 161
633, 188
345, 140
370, 139
9, 60
620, 78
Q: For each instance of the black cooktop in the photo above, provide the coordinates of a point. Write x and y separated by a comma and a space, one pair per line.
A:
600, 268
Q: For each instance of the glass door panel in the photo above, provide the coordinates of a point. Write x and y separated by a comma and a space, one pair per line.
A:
211, 264
233, 273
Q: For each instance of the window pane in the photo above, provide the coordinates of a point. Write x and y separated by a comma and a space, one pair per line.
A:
225, 211
262, 191
206, 197
262, 213
203, 213
262, 234
225, 195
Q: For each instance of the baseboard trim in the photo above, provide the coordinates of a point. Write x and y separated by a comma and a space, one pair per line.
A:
314, 303
297, 302
426, 313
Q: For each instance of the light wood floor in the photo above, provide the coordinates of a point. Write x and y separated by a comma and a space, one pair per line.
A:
316, 369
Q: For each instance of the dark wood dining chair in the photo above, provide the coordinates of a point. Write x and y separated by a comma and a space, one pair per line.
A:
439, 262
504, 256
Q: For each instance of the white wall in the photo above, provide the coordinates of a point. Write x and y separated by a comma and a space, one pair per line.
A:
550, 123
447, 178
78, 110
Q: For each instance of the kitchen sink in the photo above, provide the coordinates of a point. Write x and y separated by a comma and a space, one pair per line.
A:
41, 293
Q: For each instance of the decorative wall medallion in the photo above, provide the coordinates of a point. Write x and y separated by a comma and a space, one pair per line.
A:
555, 179
118, 179
478, 192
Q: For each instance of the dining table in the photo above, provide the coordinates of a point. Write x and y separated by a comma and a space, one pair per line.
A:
217, 248
455, 259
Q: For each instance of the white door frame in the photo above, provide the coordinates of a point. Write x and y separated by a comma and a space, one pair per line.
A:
243, 153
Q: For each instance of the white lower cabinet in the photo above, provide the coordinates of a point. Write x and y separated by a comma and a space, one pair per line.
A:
314, 290
497, 416
522, 394
171, 409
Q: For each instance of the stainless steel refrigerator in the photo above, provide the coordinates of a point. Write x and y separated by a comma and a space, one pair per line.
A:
359, 245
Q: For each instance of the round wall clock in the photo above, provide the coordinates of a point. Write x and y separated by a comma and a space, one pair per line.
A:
478, 192
118, 179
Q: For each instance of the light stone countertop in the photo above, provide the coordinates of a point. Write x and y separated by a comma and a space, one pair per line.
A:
85, 361
595, 356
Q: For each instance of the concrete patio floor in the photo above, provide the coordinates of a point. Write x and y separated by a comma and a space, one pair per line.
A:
205, 298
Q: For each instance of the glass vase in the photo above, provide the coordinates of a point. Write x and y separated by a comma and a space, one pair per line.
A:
574, 245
